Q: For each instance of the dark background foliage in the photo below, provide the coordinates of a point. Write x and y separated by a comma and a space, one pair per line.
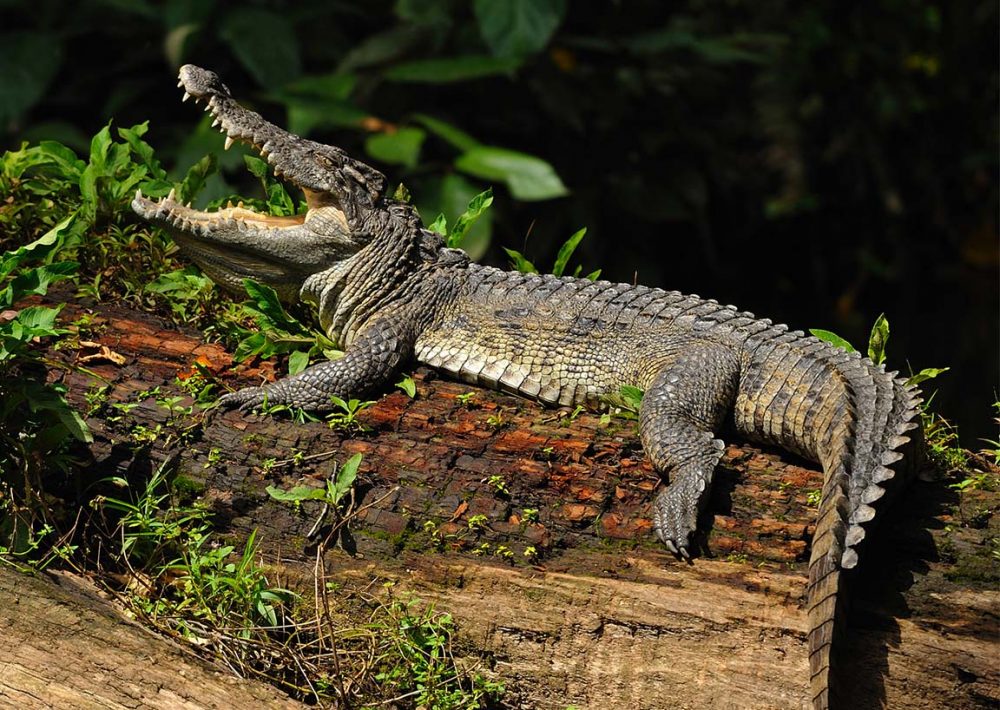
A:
816, 162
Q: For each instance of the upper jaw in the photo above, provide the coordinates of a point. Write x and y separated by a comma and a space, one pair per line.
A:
321, 171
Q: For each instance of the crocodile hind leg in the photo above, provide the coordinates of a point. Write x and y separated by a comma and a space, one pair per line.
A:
682, 408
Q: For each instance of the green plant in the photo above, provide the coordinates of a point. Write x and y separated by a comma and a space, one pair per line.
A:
624, 405
408, 386
211, 588
466, 398
878, 339
345, 417
478, 522
422, 640
332, 493
521, 263
37, 425
529, 515
499, 484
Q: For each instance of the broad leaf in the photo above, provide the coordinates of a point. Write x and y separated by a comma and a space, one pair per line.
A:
444, 71
264, 43
400, 148
528, 177
832, 338
878, 340
515, 28
566, 251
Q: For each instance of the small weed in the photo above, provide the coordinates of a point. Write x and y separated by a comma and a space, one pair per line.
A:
499, 485
408, 386
529, 515
814, 497
466, 399
478, 522
345, 417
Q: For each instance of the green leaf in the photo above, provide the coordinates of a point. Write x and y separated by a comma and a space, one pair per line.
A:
928, 373
265, 44
28, 63
717, 50
46, 399
334, 85
519, 262
41, 249
409, 386
878, 340
566, 251
35, 281
253, 344
296, 494
297, 362
399, 148
269, 312
632, 396
514, 28
197, 176
257, 166
142, 149
447, 70
346, 477
439, 225
37, 320
528, 177
477, 207
446, 131
832, 338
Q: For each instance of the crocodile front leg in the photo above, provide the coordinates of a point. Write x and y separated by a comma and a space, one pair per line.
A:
680, 412
368, 363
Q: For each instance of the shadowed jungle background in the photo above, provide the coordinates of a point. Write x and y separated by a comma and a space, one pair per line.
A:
818, 163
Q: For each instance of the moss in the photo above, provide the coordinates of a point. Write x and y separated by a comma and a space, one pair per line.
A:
186, 487
980, 567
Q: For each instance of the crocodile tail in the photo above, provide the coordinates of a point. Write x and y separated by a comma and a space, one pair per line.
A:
861, 450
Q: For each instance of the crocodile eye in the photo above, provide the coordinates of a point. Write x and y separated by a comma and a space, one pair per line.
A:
325, 161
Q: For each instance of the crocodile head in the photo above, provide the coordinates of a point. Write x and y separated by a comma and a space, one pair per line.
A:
235, 243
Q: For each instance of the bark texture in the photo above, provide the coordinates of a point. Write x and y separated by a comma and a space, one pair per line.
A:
64, 646
531, 526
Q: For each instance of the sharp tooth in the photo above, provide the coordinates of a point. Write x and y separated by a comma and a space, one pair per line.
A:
229, 142
186, 96
172, 195
240, 204
180, 83
138, 194
229, 205
216, 122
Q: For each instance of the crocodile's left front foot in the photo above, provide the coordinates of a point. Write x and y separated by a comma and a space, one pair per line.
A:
245, 399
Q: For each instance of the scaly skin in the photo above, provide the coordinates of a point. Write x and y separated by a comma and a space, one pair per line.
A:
389, 292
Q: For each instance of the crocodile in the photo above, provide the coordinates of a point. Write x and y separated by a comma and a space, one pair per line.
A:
389, 292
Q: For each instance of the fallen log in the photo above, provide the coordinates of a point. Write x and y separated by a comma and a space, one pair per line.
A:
66, 646
531, 526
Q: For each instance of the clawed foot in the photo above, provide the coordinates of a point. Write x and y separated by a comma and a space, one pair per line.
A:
674, 523
245, 399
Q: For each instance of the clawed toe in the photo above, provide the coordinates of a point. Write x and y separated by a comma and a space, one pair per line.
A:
243, 400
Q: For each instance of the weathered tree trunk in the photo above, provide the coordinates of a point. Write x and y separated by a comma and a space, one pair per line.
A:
64, 646
531, 527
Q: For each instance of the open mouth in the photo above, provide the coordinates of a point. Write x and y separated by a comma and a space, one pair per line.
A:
278, 148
